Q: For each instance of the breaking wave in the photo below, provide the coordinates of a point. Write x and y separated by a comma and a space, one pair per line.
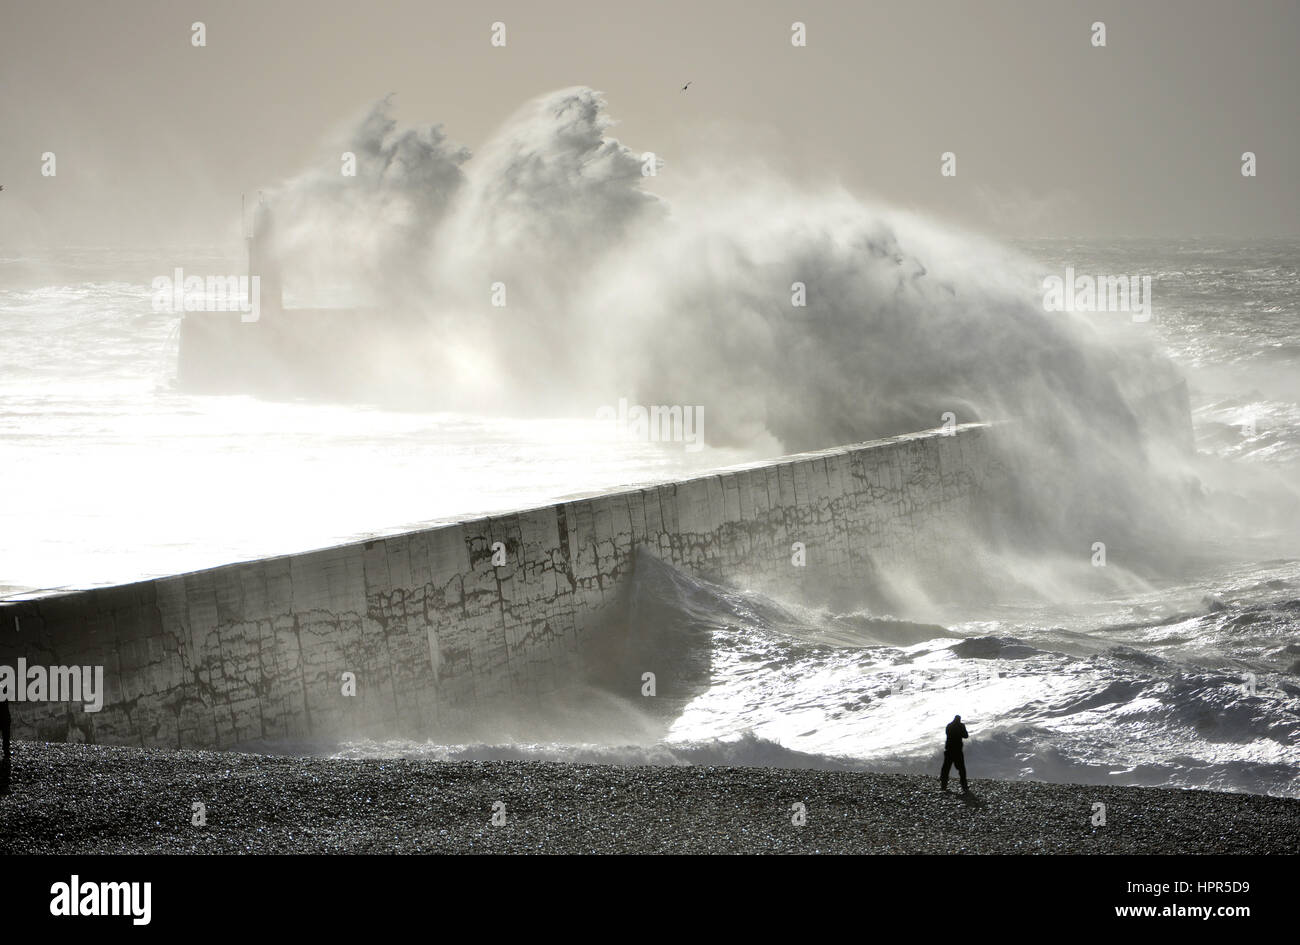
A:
544, 276
1087, 701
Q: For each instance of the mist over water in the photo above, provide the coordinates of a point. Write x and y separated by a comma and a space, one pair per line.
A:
610, 292
1132, 673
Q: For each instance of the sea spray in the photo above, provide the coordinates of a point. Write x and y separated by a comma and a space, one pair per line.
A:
542, 274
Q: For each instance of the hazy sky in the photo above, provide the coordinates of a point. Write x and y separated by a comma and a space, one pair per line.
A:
155, 139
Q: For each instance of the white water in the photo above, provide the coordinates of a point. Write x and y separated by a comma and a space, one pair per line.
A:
109, 474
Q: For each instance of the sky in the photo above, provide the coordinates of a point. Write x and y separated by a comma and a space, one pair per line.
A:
155, 139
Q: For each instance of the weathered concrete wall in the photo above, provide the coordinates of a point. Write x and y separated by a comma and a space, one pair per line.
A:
432, 628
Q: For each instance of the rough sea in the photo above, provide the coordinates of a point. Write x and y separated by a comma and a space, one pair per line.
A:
111, 474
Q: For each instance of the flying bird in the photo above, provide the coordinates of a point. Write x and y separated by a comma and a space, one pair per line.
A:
687, 85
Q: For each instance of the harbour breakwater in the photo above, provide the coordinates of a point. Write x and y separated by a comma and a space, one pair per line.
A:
415, 632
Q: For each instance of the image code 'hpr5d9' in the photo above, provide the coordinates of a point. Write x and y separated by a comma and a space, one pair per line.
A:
675, 428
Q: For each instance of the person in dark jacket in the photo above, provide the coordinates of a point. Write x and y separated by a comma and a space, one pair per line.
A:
952, 754
4, 733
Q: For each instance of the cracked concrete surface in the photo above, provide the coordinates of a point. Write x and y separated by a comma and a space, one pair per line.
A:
432, 629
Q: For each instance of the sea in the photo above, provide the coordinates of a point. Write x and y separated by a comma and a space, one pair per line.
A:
109, 473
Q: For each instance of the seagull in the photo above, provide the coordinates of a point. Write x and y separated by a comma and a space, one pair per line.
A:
687, 85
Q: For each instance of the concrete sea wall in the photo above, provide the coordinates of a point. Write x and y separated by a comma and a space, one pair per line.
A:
432, 625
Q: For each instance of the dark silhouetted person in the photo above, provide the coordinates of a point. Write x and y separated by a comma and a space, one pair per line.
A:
952, 754
4, 732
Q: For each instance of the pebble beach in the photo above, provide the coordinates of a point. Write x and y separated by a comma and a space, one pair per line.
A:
79, 799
